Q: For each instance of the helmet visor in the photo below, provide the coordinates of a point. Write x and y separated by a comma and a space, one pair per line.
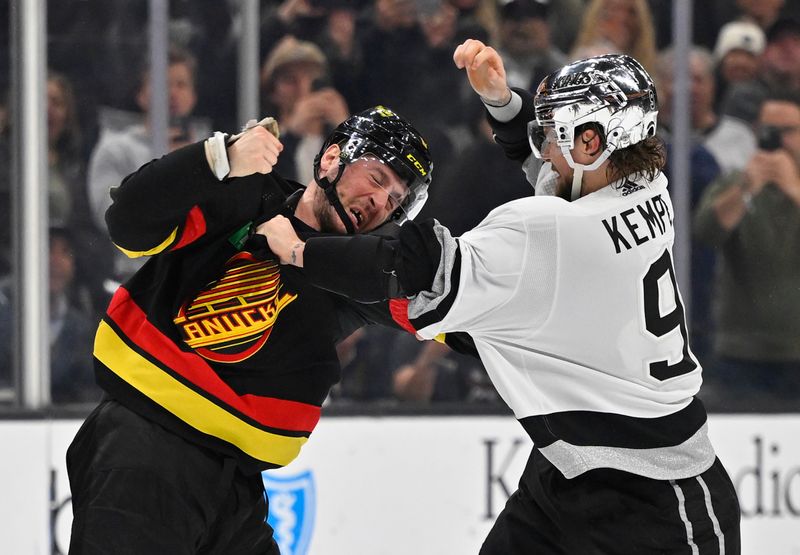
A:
540, 137
405, 204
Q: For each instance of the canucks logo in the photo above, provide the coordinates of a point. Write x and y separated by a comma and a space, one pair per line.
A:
292, 504
233, 318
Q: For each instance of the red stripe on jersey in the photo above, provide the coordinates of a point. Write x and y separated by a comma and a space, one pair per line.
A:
268, 411
399, 310
193, 228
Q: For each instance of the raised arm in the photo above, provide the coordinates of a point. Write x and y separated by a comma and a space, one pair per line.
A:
176, 199
485, 71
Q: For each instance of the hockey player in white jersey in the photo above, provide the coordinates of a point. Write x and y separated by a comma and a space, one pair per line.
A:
573, 306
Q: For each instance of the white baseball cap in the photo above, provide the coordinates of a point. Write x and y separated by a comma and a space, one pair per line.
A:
739, 35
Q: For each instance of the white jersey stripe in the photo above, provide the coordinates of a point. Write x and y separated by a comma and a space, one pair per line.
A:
692, 457
712, 516
684, 517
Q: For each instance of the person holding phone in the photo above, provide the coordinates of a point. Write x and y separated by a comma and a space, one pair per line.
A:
752, 218
121, 152
296, 89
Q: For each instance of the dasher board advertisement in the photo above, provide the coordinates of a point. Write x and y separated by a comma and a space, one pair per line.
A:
393, 485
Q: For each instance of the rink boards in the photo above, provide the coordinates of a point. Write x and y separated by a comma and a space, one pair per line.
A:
390, 485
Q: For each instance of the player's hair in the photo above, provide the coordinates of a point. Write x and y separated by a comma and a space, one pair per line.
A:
647, 158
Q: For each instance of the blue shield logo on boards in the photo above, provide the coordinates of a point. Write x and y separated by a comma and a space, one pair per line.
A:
292, 504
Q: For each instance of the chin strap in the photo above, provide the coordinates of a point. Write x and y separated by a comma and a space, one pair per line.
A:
577, 176
330, 193
577, 179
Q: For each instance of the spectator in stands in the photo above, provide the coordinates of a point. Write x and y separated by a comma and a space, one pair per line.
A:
343, 51
367, 361
717, 142
390, 27
394, 26
783, 53
623, 26
444, 25
329, 24
211, 31
565, 16
302, 19
65, 165
66, 185
477, 18
707, 18
779, 70
120, 153
524, 43
752, 218
736, 54
729, 140
296, 90
481, 162
70, 324
431, 372
763, 13
385, 366
68, 202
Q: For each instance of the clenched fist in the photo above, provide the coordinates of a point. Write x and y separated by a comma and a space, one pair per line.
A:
283, 240
256, 151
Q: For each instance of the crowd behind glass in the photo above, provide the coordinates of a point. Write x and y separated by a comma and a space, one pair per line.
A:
325, 59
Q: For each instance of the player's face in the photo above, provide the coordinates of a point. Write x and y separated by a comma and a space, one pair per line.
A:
369, 190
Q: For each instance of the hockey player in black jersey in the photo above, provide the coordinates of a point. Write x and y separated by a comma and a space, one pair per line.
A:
571, 299
215, 360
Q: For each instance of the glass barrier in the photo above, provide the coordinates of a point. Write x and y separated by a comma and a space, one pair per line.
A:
7, 379
328, 60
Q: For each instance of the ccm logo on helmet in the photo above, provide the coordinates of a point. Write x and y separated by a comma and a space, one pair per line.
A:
384, 111
417, 164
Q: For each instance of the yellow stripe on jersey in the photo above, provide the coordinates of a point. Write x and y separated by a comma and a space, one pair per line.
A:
189, 406
155, 250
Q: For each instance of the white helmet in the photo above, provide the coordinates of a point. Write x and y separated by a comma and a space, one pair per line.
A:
613, 91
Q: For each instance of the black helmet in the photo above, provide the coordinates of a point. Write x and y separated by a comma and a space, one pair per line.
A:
613, 90
392, 140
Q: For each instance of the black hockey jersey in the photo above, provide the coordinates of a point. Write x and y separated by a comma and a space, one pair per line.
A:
212, 338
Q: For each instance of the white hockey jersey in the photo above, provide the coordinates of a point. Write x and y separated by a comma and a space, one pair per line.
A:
575, 311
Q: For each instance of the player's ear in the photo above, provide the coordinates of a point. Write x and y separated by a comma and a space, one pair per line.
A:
330, 158
591, 143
